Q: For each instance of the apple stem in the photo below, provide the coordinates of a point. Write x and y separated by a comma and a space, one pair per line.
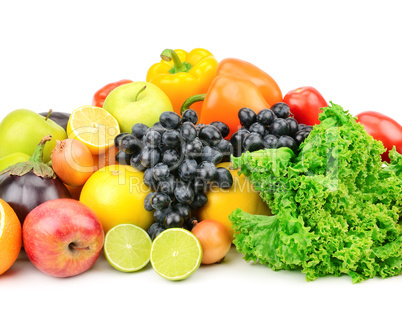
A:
73, 246
140, 91
48, 114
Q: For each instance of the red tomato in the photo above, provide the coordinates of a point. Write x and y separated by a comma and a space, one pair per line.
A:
384, 129
305, 103
101, 94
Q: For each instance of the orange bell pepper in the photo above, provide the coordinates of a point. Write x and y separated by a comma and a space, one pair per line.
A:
265, 83
225, 97
181, 75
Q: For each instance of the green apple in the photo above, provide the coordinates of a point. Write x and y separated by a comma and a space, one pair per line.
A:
22, 130
132, 103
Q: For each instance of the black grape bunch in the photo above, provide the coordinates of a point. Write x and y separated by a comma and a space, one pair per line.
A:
270, 128
178, 158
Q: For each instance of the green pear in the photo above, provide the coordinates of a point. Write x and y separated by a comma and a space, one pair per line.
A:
137, 102
11, 159
22, 130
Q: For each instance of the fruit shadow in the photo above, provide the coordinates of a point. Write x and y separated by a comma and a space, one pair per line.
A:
17, 267
10, 273
102, 265
229, 257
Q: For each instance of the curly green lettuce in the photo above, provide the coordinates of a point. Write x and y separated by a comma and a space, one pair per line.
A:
336, 208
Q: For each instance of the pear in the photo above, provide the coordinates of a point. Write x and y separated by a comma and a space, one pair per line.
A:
21, 131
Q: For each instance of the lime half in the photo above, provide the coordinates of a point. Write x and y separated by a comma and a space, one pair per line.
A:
176, 254
127, 247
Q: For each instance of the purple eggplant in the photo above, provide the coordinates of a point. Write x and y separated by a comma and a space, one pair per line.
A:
61, 118
26, 185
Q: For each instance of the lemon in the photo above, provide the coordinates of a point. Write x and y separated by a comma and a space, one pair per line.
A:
93, 126
116, 194
221, 202
176, 254
127, 247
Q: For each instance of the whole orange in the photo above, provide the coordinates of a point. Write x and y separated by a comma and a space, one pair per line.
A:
116, 194
221, 202
10, 236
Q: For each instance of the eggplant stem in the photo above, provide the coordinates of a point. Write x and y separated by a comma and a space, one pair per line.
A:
45, 139
34, 164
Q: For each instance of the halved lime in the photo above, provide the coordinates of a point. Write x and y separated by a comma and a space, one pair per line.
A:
176, 254
127, 247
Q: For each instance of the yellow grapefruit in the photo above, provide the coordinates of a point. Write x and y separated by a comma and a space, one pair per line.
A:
116, 194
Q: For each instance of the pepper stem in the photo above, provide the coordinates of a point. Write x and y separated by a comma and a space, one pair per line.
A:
179, 66
48, 114
189, 101
138, 93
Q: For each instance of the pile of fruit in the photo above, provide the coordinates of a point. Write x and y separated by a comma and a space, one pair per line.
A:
178, 158
145, 173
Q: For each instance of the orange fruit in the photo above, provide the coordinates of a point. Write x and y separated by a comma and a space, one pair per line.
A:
10, 236
93, 126
221, 202
116, 194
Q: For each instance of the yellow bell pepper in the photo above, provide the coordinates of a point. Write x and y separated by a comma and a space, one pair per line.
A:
182, 75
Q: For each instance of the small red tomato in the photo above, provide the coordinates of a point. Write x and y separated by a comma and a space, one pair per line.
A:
305, 103
101, 94
384, 129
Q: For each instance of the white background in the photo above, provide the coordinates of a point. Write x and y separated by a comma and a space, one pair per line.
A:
57, 54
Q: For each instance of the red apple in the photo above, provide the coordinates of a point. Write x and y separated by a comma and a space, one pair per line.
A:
62, 237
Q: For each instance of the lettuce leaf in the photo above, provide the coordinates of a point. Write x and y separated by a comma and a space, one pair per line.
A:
336, 208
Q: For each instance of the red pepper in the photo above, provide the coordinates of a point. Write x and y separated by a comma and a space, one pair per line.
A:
101, 94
